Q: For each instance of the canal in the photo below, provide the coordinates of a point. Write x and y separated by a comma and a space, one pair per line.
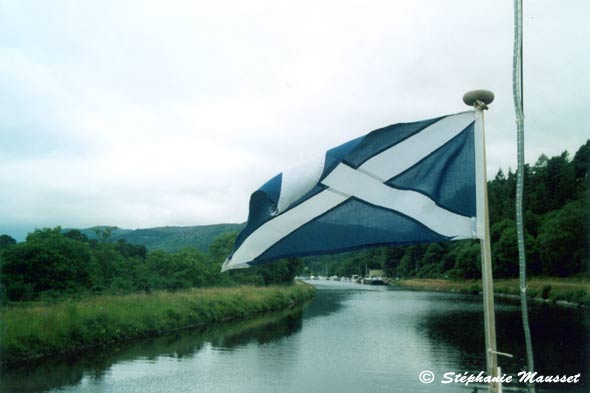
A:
350, 338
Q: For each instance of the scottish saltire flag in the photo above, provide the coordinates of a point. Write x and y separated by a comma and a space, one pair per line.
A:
405, 183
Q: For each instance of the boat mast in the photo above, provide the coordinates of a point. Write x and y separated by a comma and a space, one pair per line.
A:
517, 90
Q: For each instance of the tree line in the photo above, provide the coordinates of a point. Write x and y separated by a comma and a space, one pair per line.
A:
557, 230
53, 264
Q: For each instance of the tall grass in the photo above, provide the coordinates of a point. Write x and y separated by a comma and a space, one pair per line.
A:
38, 330
572, 290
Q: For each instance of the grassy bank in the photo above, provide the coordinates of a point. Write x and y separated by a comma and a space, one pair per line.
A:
571, 290
38, 330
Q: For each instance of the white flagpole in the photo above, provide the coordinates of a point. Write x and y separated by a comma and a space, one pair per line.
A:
480, 99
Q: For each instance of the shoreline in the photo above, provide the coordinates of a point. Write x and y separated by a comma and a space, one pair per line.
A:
34, 332
562, 292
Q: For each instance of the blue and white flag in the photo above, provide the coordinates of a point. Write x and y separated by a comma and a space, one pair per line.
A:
402, 184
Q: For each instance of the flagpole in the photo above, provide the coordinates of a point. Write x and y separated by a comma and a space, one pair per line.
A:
480, 99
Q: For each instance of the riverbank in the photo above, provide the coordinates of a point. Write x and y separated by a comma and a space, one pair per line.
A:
573, 291
38, 330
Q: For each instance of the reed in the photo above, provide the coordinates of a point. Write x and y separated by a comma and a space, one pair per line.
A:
38, 330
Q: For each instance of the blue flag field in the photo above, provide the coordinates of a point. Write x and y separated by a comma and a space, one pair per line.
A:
405, 183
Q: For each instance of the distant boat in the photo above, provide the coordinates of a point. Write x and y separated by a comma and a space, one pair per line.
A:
373, 281
373, 277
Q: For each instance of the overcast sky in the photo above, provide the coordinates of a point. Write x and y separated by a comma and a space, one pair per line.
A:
153, 113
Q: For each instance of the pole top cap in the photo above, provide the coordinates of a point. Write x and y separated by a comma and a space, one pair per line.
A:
478, 98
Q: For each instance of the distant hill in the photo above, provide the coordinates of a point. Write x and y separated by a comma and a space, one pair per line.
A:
170, 239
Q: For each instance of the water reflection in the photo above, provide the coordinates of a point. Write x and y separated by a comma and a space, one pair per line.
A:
561, 339
351, 338
333, 297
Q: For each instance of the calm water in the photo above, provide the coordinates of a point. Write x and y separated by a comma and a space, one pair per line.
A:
351, 338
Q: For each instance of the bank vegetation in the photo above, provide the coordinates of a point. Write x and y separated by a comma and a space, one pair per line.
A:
36, 330
572, 291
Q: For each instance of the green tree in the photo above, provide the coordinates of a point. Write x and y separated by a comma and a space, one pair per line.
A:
410, 263
468, 260
393, 259
46, 262
168, 272
505, 249
501, 196
129, 250
554, 183
103, 234
75, 234
560, 243
6, 241
106, 264
581, 161
433, 261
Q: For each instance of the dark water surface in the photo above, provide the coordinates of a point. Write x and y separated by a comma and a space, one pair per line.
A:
351, 338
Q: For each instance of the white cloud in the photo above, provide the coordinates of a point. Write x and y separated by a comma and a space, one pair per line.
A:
149, 113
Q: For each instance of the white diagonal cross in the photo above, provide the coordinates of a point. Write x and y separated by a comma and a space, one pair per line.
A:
366, 183
355, 183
